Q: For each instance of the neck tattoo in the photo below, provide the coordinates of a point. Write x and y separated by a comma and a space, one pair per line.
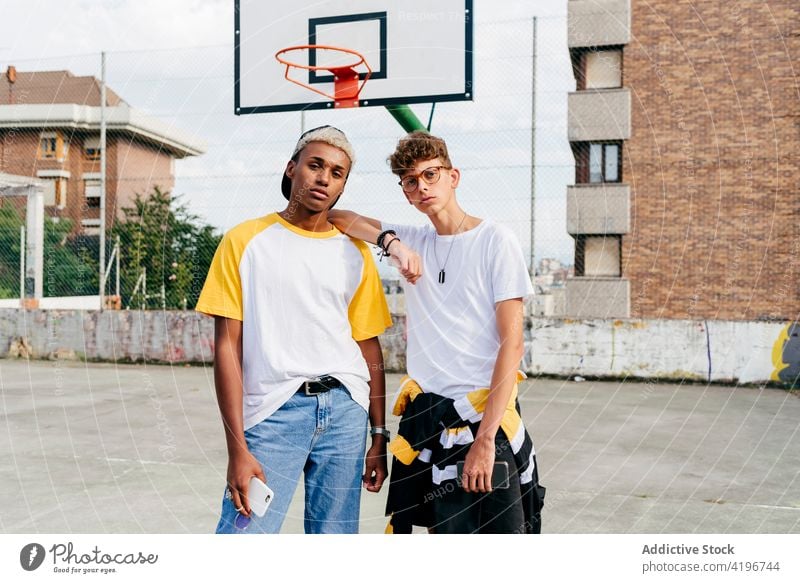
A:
441, 268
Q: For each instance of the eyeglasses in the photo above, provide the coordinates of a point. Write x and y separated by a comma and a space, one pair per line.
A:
429, 175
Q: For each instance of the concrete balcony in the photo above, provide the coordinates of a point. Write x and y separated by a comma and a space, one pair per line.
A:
598, 297
599, 114
597, 23
599, 209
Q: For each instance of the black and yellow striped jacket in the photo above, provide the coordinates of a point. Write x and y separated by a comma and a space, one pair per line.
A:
435, 433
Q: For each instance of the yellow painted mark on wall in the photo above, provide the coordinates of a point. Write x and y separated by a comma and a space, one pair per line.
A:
777, 354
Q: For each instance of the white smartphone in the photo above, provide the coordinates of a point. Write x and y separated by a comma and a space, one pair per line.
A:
259, 495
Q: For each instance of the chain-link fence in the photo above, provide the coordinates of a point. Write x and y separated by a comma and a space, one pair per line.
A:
181, 168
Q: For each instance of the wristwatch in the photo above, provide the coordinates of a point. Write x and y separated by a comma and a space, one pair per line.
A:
380, 431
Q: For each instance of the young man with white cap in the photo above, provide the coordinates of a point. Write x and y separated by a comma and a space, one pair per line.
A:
298, 367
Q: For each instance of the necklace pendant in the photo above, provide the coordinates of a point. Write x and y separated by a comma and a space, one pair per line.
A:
441, 276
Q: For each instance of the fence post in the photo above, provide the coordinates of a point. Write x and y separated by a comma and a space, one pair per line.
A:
102, 258
119, 250
21, 265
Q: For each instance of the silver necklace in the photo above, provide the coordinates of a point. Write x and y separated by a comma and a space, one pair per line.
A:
441, 268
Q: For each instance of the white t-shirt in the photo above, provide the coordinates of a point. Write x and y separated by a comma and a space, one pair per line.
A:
304, 299
452, 328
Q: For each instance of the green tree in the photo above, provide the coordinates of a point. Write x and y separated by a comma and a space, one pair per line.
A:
10, 222
69, 266
161, 235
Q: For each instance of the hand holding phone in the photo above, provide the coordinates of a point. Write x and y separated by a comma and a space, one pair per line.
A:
259, 495
500, 479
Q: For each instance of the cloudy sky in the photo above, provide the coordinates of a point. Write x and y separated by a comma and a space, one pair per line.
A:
174, 60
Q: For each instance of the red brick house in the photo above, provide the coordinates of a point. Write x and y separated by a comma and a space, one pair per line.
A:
50, 130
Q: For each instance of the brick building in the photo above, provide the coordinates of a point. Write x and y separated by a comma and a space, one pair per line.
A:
50, 130
685, 127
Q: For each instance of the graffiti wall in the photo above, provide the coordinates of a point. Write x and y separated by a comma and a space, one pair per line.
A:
786, 355
703, 351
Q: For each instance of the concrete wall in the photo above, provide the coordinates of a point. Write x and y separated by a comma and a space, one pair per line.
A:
135, 336
598, 209
599, 114
598, 22
111, 335
746, 352
719, 351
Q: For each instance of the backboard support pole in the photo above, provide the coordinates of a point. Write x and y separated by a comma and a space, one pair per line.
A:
407, 119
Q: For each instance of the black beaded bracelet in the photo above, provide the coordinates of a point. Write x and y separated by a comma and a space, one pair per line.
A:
382, 236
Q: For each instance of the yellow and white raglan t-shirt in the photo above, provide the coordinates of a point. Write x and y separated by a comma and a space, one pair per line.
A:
304, 299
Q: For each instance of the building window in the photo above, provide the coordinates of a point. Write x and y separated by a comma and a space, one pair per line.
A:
53, 146
61, 192
598, 255
48, 146
92, 192
597, 162
604, 162
91, 148
597, 69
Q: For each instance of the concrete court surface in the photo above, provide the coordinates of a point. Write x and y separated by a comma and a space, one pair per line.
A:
103, 448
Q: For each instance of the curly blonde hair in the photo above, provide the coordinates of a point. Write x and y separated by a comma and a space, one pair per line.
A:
415, 147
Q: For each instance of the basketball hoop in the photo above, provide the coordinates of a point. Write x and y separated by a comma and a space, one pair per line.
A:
346, 84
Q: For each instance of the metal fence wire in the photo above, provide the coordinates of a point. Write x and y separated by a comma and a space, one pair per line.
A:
181, 168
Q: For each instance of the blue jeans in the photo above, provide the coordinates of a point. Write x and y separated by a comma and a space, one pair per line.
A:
323, 436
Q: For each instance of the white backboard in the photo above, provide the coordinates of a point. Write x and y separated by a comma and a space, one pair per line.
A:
420, 51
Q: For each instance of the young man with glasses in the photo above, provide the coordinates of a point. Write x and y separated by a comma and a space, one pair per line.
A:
460, 424
298, 367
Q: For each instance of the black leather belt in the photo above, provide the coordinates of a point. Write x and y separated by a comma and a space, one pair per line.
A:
319, 385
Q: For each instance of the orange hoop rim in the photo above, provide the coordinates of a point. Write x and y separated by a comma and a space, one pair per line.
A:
361, 59
345, 95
